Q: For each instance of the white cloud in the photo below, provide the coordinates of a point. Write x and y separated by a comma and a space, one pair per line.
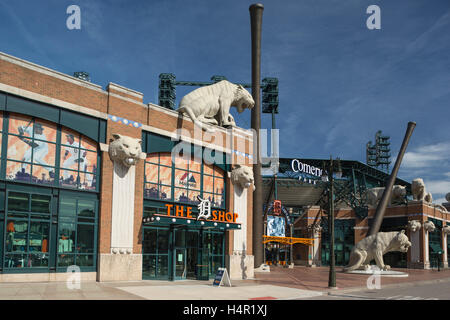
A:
427, 156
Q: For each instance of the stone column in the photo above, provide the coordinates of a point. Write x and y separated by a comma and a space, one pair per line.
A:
121, 263
428, 227
241, 265
414, 227
316, 229
445, 232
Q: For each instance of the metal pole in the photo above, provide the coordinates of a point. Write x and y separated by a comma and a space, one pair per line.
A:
332, 274
381, 208
256, 11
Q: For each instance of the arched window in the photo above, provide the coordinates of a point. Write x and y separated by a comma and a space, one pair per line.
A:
42, 152
183, 180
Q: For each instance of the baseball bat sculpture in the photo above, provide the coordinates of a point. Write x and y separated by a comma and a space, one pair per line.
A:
381, 208
256, 11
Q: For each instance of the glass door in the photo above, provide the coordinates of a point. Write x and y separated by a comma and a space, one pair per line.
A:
180, 263
192, 243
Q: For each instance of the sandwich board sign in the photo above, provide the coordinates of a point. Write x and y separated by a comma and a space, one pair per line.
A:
221, 278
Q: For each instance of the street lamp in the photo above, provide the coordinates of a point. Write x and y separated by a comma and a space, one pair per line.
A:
328, 178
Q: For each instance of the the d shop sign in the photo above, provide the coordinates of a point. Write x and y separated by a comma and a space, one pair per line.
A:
298, 166
186, 212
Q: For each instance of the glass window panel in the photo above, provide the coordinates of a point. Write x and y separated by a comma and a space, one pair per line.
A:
69, 137
66, 260
66, 240
153, 157
16, 260
194, 181
67, 207
86, 208
192, 239
151, 191
17, 171
40, 203
193, 196
18, 201
219, 201
16, 235
218, 172
85, 241
181, 162
43, 175
149, 266
85, 260
20, 125
87, 181
44, 130
209, 196
68, 178
195, 165
151, 172
208, 169
181, 178
165, 158
218, 186
181, 195
149, 243
165, 192
163, 241
89, 144
162, 266
88, 161
180, 240
37, 260
208, 183
165, 175
70, 157
17, 148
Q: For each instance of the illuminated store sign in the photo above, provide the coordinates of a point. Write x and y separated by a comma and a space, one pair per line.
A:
186, 212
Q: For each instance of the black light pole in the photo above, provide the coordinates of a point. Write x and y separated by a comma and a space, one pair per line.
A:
330, 186
332, 274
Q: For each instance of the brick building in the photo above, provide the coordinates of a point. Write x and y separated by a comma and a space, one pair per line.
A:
59, 201
308, 198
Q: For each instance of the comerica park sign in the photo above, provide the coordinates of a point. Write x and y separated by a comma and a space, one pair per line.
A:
298, 166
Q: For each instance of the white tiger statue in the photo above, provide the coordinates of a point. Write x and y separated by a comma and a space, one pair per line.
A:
374, 247
125, 150
211, 104
374, 195
419, 191
242, 176
414, 225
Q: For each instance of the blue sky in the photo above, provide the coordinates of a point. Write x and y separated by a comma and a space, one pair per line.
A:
339, 82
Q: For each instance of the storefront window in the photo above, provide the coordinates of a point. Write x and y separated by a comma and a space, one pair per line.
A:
191, 179
76, 232
155, 249
27, 233
36, 154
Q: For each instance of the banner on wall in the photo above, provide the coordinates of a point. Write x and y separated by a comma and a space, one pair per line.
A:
276, 226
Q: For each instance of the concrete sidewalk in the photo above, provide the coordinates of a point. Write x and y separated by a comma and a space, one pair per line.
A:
280, 284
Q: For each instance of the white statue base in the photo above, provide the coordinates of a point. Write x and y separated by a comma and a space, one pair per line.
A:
374, 270
262, 268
